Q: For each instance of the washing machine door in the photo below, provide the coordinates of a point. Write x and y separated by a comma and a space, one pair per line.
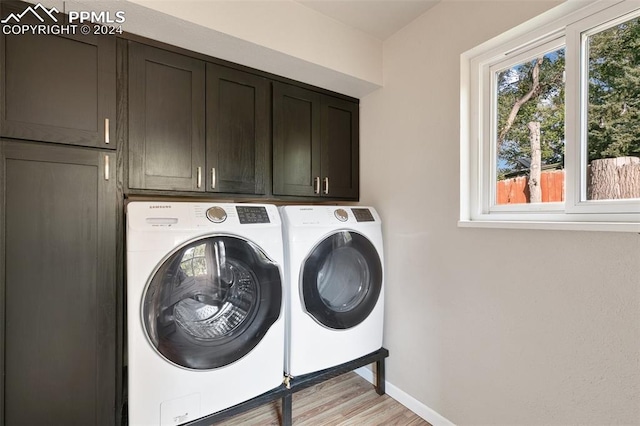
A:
341, 280
211, 302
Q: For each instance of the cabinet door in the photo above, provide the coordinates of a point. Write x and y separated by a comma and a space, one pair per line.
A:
238, 129
166, 120
296, 141
58, 88
58, 285
340, 148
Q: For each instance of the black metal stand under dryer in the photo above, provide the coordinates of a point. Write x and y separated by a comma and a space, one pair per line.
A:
298, 383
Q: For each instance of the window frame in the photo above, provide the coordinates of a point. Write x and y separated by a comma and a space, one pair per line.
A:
565, 23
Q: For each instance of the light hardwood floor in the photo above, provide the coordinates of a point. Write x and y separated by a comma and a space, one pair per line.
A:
347, 400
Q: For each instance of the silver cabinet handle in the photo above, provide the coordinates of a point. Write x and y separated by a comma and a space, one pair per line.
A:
213, 178
316, 185
106, 167
106, 130
326, 185
199, 179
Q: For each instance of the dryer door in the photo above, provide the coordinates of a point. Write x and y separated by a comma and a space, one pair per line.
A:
341, 280
211, 302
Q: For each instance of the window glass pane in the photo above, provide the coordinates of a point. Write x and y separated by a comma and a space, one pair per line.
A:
529, 130
613, 113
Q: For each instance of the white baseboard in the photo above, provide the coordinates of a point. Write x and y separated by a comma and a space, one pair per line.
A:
408, 401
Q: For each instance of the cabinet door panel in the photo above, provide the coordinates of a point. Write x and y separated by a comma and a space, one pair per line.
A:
238, 128
58, 88
59, 286
340, 147
166, 120
296, 140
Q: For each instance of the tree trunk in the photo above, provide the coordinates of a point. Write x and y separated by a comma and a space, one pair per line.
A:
533, 93
535, 188
614, 178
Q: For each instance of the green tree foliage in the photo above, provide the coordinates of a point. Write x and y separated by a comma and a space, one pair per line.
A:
614, 92
614, 101
545, 105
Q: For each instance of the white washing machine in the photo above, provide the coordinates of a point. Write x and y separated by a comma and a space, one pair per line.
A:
334, 285
205, 316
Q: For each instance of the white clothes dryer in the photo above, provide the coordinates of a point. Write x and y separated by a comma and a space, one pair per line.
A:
334, 285
204, 308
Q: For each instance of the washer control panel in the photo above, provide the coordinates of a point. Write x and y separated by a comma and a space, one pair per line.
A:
341, 215
216, 214
252, 214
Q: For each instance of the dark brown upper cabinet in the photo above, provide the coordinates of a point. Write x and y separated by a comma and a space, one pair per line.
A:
340, 153
238, 129
296, 141
58, 88
166, 120
196, 126
315, 144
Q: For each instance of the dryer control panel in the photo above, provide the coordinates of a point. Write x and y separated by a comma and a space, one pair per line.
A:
347, 216
363, 215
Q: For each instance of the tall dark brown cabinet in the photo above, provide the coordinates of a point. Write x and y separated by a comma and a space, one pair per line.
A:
58, 281
59, 218
315, 144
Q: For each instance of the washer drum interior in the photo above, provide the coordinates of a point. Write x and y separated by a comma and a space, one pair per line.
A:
211, 302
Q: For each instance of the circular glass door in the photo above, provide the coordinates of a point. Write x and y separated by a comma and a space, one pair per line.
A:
342, 280
211, 302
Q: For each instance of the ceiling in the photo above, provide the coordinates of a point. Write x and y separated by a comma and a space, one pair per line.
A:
378, 18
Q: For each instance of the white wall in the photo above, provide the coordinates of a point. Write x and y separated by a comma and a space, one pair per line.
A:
486, 326
278, 36
284, 26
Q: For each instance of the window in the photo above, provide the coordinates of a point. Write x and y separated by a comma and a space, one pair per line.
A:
550, 130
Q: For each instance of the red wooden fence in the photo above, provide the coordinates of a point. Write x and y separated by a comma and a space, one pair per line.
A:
516, 190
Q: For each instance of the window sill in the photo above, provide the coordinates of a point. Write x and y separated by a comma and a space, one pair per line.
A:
553, 226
